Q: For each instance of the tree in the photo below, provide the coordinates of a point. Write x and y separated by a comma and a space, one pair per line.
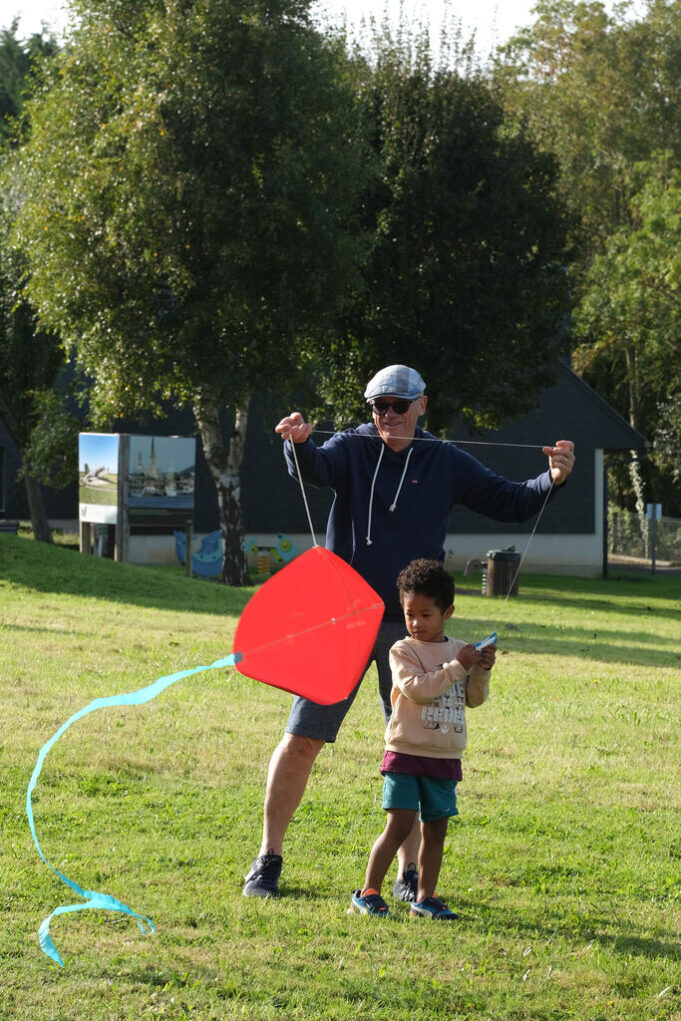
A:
30, 365
603, 92
467, 273
630, 313
187, 209
18, 60
31, 359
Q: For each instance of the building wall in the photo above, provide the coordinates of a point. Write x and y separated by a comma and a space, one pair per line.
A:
579, 553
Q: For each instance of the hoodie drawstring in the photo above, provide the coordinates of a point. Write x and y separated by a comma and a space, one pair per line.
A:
371, 494
373, 485
393, 505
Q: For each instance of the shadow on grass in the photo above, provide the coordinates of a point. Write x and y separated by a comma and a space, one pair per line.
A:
650, 604
638, 946
43, 630
590, 930
42, 568
595, 646
628, 597
302, 893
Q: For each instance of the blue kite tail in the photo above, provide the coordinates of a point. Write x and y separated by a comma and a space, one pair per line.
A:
102, 901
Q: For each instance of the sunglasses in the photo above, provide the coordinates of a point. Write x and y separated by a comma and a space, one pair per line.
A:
400, 406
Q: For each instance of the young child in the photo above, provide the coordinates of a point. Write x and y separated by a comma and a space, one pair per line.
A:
434, 679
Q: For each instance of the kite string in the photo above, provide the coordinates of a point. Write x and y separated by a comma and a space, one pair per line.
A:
302, 490
436, 439
527, 546
426, 439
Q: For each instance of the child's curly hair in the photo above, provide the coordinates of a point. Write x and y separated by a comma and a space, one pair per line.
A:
429, 578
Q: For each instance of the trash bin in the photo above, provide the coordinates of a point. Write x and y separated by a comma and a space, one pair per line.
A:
501, 576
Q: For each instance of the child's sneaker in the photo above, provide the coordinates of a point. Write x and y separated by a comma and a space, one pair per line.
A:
368, 903
406, 885
432, 907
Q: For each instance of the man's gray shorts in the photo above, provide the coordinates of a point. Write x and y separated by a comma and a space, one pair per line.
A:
308, 719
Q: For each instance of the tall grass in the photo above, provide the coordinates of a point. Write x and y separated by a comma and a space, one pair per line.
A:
565, 862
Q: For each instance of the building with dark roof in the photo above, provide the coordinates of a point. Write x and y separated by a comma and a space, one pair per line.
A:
569, 536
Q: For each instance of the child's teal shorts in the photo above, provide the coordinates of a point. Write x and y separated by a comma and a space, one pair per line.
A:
432, 798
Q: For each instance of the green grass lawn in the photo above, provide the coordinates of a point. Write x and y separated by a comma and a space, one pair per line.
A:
565, 862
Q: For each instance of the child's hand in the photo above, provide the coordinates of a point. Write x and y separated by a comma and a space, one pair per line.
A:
487, 657
468, 656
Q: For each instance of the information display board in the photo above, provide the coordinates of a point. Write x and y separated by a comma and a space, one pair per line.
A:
135, 482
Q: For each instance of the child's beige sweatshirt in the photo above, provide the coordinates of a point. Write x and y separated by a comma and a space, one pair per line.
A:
431, 690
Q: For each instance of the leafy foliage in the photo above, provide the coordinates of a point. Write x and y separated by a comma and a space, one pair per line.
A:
186, 192
52, 449
31, 362
668, 438
631, 305
31, 359
466, 278
603, 92
18, 61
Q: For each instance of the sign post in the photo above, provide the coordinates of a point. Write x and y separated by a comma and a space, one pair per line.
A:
653, 512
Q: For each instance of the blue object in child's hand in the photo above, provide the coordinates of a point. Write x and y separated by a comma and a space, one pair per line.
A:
491, 640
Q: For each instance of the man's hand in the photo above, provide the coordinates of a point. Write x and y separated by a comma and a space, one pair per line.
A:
561, 460
294, 427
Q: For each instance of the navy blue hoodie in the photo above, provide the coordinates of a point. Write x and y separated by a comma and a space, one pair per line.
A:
383, 517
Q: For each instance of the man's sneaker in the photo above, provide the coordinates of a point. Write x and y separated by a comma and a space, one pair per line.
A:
432, 907
406, 885
368, 903
263, 879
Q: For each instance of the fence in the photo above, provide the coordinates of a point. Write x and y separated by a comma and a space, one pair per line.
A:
627, 538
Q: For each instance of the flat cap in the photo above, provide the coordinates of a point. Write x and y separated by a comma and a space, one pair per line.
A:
396, 381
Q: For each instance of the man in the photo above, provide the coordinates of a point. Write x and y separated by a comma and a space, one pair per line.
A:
394, 489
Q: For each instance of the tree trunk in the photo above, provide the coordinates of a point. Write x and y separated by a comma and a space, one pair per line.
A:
635, 473
225, 467
36, 507
638, 483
